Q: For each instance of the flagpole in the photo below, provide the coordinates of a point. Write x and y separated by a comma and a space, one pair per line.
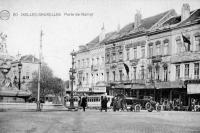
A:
39, 69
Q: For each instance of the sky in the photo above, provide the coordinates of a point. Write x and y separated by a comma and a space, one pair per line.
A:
64, 32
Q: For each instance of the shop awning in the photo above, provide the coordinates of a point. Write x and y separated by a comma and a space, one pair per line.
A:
168, 85
193, 88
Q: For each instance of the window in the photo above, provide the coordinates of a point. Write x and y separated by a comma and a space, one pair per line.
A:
186, 70
82, 62
150, 72
166, 44
107, 58
135, 53
142, 72
179, 47
27, 75
113, 75
87, 78
107, 76
92, 61
102, 60
113, 57
97, 61
177, 71
134, 73
150, 50
80, 77
187, 45
165, 73
88, 63
120, 75
197, 42
143, 52
158, 48
157, 72
127, 54
196, 70
120, 56
79, 63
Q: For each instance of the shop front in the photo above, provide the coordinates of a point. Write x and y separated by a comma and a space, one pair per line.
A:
193, 91
171, 91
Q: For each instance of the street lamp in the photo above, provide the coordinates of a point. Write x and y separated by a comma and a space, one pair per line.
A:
72, 77
19, 68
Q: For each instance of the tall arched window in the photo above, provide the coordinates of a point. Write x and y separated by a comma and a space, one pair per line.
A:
166, 45
157, 74
150, 49
165, 67
158, 48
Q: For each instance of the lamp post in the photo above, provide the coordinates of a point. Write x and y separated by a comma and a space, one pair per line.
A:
72, 77
19, 68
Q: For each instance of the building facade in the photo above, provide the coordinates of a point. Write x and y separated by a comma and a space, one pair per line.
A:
90, 64
127, 56
157, 56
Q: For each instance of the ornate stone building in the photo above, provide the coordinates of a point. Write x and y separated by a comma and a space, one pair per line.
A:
156, 56
127, 56
90, 63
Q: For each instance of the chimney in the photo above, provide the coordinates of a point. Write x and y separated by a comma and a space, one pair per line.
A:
185, 11
138, 18
102, 34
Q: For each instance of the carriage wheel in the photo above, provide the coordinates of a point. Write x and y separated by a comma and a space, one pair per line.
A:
150, 110
196, 108
158, 108
148, 106
137, 108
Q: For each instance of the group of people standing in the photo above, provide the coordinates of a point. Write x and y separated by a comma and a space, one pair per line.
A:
118, 103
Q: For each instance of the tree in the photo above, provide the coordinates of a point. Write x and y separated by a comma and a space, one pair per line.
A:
48, 83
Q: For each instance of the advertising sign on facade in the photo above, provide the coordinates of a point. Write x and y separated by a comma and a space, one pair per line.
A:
99, 89
193, 89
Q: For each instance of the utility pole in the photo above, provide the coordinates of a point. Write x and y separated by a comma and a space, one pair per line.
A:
39, 69
72, 71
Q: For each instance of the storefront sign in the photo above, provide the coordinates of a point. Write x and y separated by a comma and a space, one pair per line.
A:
83, 89
193, 89
99, 89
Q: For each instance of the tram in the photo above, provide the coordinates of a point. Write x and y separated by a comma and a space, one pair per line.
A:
93, 101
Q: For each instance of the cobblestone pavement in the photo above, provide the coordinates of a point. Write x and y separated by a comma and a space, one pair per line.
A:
93, 121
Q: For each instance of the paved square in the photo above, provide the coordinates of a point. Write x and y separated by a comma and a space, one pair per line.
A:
93, 121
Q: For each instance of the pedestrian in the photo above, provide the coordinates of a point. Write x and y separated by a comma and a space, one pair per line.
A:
115, 104
84, 103
104, 104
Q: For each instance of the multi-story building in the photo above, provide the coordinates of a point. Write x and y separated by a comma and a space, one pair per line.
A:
160, 58
90, 63
30, 65
157, 56
126, 56
186, 52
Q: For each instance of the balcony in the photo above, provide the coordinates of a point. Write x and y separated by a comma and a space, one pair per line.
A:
138, 81
185, 57
94, 68
157, 58
134, 62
